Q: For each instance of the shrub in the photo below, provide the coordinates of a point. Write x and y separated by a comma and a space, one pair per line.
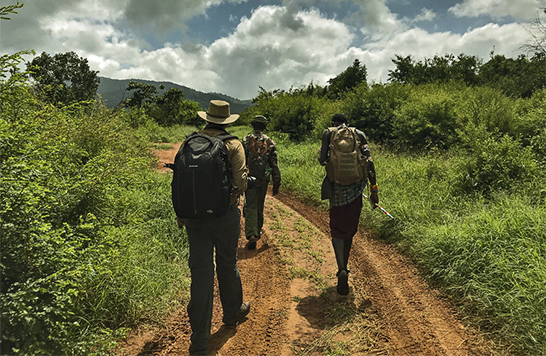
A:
426, 119
497, 165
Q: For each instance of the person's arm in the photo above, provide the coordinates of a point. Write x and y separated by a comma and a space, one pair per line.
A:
324, 148
239, 172
365, 150
275, 170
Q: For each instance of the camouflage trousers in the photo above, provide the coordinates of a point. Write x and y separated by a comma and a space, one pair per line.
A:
254, 210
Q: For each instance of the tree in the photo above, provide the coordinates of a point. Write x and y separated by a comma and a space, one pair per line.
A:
519, 77
170, 108
166, 109
349, 79
435, 69
10, 9
142, 93
65, 78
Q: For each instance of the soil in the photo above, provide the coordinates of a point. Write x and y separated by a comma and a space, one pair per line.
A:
290, 281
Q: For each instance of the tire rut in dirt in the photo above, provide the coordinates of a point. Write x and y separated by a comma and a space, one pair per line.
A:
263, 331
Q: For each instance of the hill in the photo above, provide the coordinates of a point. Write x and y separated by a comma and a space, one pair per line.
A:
113, 92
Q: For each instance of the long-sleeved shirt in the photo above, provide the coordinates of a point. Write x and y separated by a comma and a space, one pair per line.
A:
272, 159
236, 158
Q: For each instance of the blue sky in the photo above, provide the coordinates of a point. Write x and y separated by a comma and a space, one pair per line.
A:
236, 46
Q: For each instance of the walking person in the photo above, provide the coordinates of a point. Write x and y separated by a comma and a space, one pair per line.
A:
261, 158
346, 156
213, 240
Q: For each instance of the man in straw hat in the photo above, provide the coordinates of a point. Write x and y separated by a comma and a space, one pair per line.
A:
217, 236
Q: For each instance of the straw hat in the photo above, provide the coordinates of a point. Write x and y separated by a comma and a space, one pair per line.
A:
218, 113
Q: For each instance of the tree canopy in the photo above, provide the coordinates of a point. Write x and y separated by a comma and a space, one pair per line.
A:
350, 78
64, 78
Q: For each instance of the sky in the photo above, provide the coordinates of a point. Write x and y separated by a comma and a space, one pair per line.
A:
234, 47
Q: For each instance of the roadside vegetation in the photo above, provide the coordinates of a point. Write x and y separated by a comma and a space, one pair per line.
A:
89, 243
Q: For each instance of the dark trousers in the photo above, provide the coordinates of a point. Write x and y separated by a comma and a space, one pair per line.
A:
213, 239
254, 210
343, 226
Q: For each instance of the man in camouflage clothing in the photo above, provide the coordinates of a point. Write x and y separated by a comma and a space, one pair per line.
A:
261, 159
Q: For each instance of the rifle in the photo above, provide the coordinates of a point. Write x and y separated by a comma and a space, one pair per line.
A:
378, 206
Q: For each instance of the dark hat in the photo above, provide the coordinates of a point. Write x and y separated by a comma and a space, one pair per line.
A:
259, 119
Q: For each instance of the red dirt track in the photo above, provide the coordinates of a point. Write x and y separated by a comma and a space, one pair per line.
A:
290, 281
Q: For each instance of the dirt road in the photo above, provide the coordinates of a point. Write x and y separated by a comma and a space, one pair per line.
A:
290, 281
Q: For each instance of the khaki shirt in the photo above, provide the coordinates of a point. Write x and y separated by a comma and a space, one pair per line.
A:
236, 157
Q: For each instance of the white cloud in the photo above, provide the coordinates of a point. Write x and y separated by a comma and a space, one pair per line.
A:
521, 10
376, 19
425, 15
275, 47
165, 14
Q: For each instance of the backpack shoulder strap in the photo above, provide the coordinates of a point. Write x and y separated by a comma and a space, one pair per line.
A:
225, 136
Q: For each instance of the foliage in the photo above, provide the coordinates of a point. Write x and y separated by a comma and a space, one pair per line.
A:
9, 9
64, 79
347, 80
295, 112
77, 209
497, 164
446, 68
373, 109
141, 93
166, 109
519, 77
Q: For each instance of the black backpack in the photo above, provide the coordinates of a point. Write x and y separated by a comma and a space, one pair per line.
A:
201, 185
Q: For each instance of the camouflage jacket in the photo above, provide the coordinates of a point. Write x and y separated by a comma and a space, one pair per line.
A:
272, 163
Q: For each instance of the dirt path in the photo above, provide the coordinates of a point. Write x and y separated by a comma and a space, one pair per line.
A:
290, 281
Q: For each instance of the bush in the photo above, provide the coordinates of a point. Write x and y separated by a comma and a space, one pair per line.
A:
74, 193
373, 110
497, 165
426, 119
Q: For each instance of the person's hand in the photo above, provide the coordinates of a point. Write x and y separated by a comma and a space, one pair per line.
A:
250, 182
275, 189
180, 223
374, 198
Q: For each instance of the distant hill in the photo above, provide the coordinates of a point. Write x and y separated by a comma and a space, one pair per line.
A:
113, 92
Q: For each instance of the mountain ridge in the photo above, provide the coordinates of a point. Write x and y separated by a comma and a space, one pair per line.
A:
113, 92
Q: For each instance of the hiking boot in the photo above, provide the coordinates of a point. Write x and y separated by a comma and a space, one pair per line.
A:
243, 311
342, 284
192, 351
251, 245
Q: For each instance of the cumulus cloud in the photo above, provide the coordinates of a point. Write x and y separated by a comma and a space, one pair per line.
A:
521, 10
274, 47
165, 14
425, 15
376, 19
